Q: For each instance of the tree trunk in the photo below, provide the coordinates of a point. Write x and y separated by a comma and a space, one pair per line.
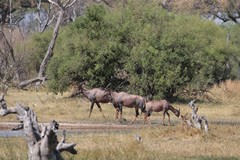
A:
49, 53
41, 74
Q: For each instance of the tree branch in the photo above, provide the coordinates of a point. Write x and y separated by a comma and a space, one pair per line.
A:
30, 81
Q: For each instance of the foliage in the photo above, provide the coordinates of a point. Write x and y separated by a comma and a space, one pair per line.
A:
88, 54
37, 48
234, 58
161, 54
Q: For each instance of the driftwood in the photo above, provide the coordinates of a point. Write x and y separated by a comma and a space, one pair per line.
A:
194, 120
42, 140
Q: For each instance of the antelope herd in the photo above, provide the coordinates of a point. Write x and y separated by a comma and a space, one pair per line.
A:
123, 99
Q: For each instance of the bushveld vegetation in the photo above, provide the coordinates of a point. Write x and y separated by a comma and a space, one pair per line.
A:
158, 142
143, 49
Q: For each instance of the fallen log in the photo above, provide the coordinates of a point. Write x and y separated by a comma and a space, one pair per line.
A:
194, 120
42, 140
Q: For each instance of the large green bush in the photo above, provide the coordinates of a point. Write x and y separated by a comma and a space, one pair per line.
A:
141, 49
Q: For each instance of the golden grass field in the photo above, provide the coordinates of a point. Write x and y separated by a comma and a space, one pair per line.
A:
158, 142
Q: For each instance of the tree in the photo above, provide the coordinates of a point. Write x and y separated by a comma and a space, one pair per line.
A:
88, 52
174, 54
41, 74
148, 51
42, 141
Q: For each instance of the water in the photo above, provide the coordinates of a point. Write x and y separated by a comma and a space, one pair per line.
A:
20, 133
6, 133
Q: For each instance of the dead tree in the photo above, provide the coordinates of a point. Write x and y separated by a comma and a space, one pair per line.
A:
42, 140
41, 74
194, 120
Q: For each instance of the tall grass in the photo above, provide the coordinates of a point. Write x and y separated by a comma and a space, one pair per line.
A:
158, 142
13, 149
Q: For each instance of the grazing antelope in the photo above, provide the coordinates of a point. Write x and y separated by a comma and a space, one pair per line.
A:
158, 106
95, 96
128, 100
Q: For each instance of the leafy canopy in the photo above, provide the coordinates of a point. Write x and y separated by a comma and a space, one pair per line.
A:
142, 49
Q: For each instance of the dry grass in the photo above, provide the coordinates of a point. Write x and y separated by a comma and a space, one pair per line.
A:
162, 143
159, 142
13, 149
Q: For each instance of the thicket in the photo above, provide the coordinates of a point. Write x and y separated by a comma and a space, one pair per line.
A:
142, 49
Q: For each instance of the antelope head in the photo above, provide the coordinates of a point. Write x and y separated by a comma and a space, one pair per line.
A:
177, 112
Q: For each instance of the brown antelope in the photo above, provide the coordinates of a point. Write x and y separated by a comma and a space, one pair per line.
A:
95, 96
158, 106
128, 100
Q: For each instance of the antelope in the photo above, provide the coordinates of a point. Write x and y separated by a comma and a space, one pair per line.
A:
128, 100
95, 96
158, 106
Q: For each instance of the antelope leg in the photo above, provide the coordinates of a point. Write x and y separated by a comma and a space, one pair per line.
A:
163, 118
136, 114
168, 118
91, 108
100, 109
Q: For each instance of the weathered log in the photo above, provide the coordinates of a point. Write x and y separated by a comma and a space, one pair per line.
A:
194, 120
42, 140
24, 84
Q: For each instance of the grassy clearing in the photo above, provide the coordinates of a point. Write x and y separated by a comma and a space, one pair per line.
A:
162, 143
159, 142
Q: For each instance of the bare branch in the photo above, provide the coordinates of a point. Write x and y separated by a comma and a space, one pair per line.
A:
56, 4
69, 3
62, 146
